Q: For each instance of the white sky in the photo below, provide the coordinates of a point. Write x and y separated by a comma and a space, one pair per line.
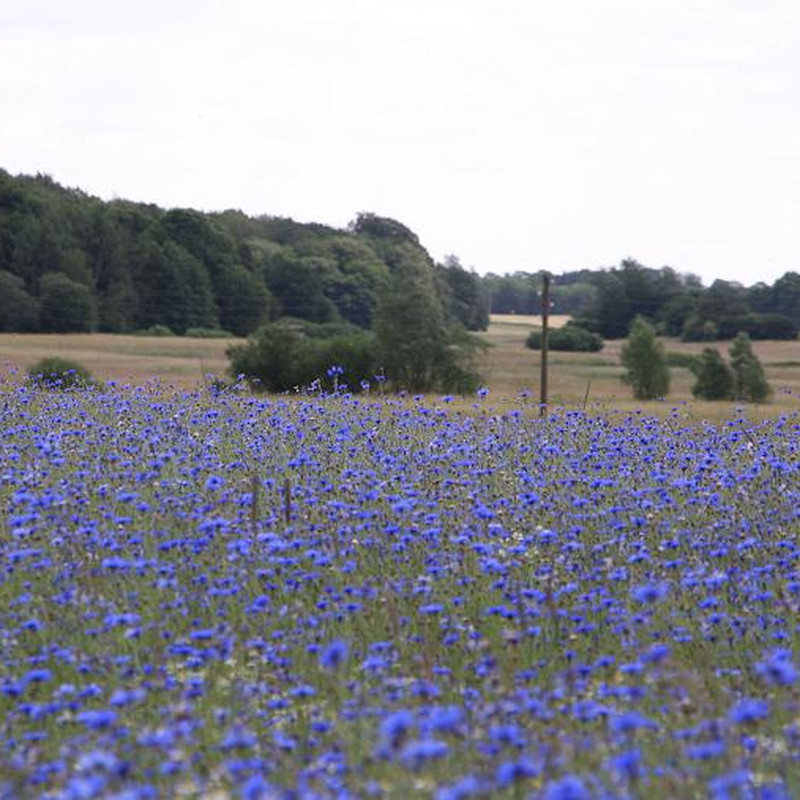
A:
517, 134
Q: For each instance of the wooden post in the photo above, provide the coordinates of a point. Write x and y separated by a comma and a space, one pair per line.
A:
545, 324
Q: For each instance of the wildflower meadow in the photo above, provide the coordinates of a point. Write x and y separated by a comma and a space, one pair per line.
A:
218, 594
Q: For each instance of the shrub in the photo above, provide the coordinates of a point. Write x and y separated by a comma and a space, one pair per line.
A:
280, 357
208, 333
156, 330
570, 338
676, 359
714, 378
645, 362
60, 373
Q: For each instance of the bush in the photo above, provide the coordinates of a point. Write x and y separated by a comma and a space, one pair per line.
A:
281, 358
570, 338
156, 330
60, 373
675, 359
645, 362
714, 378
208, 333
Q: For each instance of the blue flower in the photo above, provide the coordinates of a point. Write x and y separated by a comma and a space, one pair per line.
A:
97, 719
334, 655
510, 772
648, 593
394, 728
570, 787
416, 753
777, 668
748, 710
468, 786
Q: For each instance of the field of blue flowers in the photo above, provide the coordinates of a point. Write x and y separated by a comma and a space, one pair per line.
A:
224, 595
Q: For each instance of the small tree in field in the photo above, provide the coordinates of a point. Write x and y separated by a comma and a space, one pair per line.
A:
715, 380
750, 382
645, 362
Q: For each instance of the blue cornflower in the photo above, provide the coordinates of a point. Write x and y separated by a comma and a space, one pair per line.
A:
445, 718
570, 787
648, 593
334, 655
729, 785
510, 772
214, 482
706, 750
630, 721
394, 728
238, 737
748, 710
97, 719
416, 753
627, 764
468, 786
777, 668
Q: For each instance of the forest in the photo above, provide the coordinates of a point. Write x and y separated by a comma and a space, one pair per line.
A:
71, 262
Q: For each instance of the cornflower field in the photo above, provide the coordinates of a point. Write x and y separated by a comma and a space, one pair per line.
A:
225, 595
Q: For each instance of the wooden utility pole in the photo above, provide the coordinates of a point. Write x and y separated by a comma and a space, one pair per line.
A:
545, 325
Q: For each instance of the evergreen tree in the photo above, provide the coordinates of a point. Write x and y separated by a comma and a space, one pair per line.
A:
714, 378
645, 362
750, 382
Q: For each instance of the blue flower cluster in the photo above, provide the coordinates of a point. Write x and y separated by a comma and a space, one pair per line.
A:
226, 595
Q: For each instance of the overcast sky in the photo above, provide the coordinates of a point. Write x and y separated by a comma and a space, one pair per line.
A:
516, 134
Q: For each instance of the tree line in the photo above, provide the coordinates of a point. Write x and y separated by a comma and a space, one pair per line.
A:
366, 301
607, 301
70, 262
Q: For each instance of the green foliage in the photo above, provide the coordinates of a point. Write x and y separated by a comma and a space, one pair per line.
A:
65, 306
714, 378
283, 357
417, 349
568, 338
19, 311
645, 362
750, 382
156, 330
55, 372
697, 329
208, 333
684, 360
726, 326
465, 300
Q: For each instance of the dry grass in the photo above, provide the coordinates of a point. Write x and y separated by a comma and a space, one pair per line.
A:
508, 367
176, 361
531, 320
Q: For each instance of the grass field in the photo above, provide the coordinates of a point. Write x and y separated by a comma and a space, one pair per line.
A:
508, 367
